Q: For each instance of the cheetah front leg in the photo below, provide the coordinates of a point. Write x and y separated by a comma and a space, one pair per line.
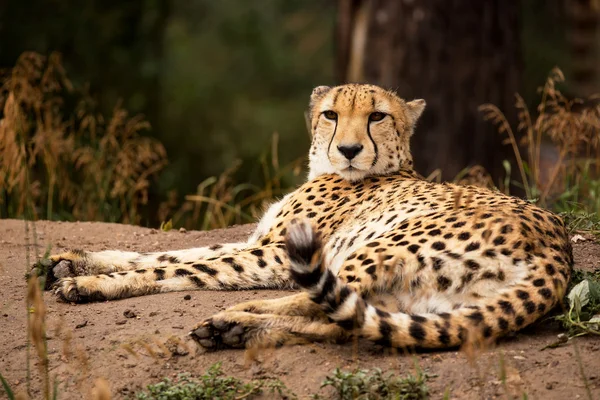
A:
251, 268
83, 263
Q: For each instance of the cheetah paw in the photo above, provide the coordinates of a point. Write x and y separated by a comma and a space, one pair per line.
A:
61, 266
68, 290
217, 333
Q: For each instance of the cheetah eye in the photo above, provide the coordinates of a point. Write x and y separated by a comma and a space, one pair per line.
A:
376, 116
332, 115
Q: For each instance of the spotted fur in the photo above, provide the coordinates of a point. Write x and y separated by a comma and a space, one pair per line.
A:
378, 252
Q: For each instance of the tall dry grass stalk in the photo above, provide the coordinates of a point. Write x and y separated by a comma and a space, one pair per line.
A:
572, 127
71, 160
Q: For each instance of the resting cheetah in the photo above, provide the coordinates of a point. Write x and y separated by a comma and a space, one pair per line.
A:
379, 252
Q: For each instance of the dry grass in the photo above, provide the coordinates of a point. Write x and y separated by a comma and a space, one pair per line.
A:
221, 201
59, 153
570, 127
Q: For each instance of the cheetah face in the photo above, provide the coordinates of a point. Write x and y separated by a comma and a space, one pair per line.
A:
360, 130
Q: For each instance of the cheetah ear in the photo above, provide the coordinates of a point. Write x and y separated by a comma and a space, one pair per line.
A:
415, 109
317, 93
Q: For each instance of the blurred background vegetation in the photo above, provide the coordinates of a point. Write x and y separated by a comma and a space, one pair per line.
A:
150, 110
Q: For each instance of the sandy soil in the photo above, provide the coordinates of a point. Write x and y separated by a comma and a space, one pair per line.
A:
126, 342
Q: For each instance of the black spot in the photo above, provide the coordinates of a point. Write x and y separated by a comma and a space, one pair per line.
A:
238, 268
385, 330
278, 260
197, 281
472, 265
499, 240
437, 263
266, 241
373, 244
459, 224
472, 246
413, 248
434, 232
489, 253
501, 276
371, 270
476, 317
443, 283
529, 307
541, 307
257, 252
506, 229
487, 331
182, 272
539, 282
418, 318
262, 263
523, 295
520, 320
417, 331
506, 307
438, 246
488, 275
140, 271
397, 238
415, 283
545, 293
550, 270
464, 236
502, 323
382, 313
206, 269
159, 273
173, 260
443, 336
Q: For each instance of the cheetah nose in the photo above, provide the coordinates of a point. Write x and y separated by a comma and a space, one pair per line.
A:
350, 151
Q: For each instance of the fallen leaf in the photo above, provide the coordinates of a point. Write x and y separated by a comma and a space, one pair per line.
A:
578, 238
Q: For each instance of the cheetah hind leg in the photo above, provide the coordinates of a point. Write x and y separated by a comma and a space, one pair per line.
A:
298, 305
238, 329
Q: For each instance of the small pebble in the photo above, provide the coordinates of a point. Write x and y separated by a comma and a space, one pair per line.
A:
187, 297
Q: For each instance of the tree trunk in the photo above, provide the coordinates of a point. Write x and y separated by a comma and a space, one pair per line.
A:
455, 54
583, 34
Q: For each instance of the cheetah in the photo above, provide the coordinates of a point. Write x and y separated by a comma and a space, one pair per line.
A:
378, 252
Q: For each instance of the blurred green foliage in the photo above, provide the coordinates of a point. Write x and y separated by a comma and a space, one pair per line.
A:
236, 73
216, 79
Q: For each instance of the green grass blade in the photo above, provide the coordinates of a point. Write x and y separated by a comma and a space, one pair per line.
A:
7, 389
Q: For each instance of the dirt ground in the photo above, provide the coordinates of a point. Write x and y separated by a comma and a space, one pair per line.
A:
126, 341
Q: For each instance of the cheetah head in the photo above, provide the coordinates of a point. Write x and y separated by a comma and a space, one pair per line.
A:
360, 130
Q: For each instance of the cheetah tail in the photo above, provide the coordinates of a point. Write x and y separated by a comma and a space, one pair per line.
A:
472, 325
